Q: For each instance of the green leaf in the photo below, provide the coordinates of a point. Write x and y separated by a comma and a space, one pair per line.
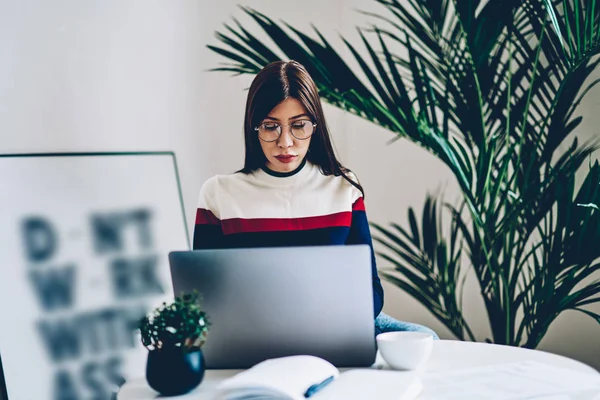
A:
589, 313
492, 90
589, 205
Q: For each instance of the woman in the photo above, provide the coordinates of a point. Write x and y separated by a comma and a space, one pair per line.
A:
292, 190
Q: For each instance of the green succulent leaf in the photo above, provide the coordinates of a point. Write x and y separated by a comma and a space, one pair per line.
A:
179, 324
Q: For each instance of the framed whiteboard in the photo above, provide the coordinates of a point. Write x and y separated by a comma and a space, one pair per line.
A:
84, 240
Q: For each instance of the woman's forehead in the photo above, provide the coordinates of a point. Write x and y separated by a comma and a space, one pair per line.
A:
290, 108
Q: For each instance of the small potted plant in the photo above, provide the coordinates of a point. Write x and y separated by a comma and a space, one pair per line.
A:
174, 334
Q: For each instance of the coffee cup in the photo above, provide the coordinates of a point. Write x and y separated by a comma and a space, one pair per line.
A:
405, 350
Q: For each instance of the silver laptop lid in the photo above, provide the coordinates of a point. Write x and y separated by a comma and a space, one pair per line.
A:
273, 302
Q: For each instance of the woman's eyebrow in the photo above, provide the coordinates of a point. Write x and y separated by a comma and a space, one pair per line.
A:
294, 117
300, 115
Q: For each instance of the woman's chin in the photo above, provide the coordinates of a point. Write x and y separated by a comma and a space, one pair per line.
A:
284, 166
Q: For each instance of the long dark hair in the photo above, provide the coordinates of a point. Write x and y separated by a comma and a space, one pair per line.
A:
272, 85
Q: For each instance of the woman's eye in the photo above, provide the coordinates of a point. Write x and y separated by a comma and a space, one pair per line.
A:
270, 127
299, 124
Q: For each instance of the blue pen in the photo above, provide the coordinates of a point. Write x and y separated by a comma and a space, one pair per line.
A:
318, 386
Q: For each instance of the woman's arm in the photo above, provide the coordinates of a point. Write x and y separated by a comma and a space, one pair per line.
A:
207, 227
361, 234
207, 230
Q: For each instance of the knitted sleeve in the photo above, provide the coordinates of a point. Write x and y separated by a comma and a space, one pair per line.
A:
360, 233
207, 228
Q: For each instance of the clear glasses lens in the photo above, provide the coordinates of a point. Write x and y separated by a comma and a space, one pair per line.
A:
270, 131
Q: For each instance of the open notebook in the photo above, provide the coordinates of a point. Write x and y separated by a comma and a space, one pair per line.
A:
301, 377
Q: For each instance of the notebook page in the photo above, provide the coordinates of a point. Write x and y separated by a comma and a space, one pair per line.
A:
361, 384
512, 381
289, 376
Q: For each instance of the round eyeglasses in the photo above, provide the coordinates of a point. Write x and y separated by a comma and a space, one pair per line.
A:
301, 129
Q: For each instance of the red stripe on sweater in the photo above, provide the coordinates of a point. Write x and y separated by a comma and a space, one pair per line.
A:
359, 205
206, 217
240, 225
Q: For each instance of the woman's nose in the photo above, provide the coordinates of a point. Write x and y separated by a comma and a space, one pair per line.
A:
285, 139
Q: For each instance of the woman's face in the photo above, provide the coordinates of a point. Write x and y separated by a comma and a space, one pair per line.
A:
286, 152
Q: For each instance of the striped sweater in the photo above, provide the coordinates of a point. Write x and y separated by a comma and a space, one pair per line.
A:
269, 209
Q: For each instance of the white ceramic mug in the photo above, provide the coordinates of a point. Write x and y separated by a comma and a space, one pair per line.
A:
405, 350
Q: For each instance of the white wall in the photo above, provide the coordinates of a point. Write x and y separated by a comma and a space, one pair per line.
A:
131, 75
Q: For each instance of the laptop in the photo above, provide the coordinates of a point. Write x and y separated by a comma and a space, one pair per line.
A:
272, 302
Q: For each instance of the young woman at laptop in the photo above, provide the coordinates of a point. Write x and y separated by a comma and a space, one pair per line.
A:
292, 190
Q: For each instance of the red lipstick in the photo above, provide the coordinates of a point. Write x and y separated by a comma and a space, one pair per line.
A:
285, 158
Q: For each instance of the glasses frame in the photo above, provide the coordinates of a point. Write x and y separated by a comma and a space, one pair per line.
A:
280, 130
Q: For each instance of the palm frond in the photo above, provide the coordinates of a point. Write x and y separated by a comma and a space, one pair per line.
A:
492, 89
427, 265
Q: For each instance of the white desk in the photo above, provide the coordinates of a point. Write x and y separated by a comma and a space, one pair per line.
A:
448, 355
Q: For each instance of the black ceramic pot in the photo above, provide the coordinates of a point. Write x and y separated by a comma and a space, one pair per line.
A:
172, 372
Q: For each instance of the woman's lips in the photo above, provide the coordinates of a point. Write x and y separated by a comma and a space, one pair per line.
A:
285, 158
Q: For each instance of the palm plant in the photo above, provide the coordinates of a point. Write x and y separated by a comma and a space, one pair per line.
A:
491, 88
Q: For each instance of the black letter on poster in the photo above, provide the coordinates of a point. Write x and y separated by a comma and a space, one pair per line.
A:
54, 287
92, 382
114, 373
40, 239
142, 220
135, 277
103, 380
108, 230
64, 387
61, 338
107, 233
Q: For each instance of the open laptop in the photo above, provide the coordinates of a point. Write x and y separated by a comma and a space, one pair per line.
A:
273, 302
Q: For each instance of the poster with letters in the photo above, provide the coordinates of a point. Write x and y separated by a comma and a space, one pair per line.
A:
84, 243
